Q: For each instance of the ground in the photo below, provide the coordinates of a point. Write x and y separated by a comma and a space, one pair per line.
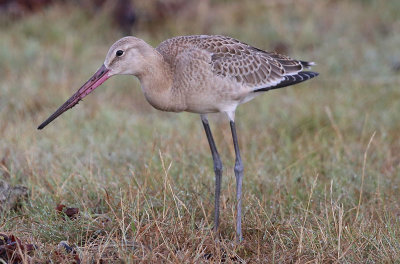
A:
322, 159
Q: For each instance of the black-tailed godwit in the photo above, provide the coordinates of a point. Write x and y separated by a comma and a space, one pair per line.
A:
200, 74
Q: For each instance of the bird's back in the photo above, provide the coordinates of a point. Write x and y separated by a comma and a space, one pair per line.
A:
248, 66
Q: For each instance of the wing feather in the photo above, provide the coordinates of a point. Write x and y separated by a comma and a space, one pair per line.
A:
243, 63
246, 64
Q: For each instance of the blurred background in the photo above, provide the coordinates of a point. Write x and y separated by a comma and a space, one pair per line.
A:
49, 48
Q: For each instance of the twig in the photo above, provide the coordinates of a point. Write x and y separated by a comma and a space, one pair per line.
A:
363, 173
299, 250
336, 129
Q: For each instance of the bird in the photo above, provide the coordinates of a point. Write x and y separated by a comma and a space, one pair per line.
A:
201, 74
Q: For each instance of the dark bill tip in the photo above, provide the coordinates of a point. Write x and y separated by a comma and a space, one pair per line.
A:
71, 102
97, 79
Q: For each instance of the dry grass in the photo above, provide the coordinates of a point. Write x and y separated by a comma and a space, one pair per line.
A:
321, 159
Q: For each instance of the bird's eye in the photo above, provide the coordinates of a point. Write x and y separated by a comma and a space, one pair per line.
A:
119, 53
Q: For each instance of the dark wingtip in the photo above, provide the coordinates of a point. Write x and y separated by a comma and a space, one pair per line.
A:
307, 64
291, 80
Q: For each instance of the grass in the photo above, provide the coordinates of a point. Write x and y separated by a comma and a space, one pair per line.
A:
321, 158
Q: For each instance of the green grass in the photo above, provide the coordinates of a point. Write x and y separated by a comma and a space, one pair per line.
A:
143, 180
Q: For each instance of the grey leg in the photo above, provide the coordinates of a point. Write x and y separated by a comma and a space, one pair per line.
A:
239, 179
218, 168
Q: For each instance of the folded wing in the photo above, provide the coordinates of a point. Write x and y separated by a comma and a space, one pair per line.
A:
250, 66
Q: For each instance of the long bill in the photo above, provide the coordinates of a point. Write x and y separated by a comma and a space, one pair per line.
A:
97, 79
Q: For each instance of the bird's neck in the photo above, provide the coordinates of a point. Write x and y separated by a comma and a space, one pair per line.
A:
156, 81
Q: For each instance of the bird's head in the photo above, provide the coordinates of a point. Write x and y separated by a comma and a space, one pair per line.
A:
126, 56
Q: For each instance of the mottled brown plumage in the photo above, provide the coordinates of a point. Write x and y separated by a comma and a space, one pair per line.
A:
231, 58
